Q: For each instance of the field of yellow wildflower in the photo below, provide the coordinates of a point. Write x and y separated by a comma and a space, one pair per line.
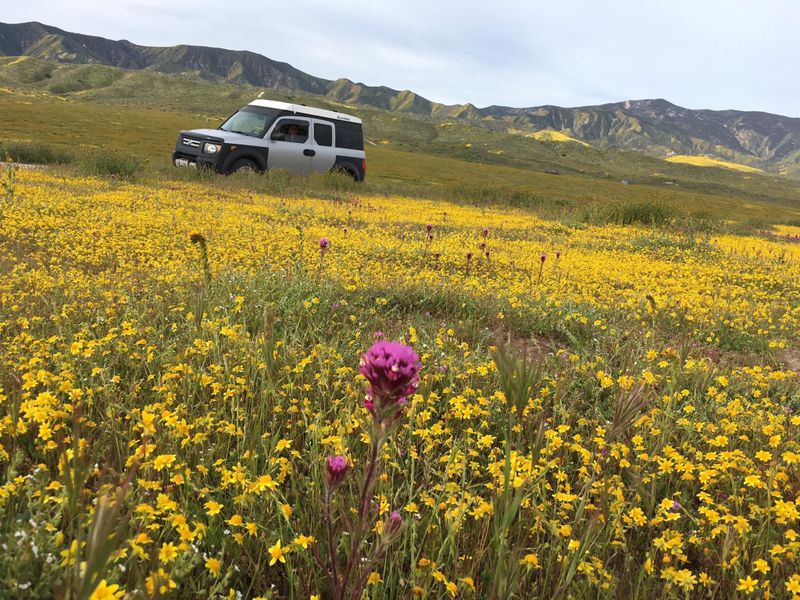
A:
210, 393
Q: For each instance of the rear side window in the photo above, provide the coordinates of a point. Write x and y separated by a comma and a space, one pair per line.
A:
349, 135
323, 134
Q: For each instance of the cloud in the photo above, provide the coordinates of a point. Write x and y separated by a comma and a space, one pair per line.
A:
708, 54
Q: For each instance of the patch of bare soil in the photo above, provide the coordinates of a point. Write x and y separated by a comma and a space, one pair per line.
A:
791, 358
535, 348
17, 165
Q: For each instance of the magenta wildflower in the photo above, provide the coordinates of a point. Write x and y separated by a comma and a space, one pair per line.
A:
324, 243
392, 370
429, 227
543, 257
485, 232
336, 469
393, 523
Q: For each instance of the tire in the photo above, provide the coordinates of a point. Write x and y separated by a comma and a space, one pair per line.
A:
243, 165
346, 170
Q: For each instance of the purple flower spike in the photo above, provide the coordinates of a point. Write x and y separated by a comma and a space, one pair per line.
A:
393, 523
324, 243
336, 469
543, 257
429, 227
392, 370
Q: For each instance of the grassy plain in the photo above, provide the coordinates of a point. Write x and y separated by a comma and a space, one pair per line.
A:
148, 136
138, 113
605, 411
609, 395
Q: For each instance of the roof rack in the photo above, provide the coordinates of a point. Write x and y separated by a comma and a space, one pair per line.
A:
308, 110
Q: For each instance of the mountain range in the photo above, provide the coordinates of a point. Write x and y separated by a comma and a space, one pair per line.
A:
656, 127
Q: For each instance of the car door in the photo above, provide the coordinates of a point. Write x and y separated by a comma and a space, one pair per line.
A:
324, 150
290, 145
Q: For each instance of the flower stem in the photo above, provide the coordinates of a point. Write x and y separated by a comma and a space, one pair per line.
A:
369, 480
363, 509
331, 547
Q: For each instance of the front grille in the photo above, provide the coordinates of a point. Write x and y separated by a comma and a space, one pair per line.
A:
192, 143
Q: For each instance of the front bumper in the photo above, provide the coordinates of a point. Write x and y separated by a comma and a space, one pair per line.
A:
189, 152
184, 159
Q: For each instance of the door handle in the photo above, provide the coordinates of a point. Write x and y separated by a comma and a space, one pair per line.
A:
309, 152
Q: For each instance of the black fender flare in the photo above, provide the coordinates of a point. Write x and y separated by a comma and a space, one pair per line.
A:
348, 165
259, 158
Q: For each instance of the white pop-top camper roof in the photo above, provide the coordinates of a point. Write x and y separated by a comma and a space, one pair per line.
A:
309, 110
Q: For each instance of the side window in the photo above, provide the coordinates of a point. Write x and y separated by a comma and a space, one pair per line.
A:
291, 130
323, 134
349, 135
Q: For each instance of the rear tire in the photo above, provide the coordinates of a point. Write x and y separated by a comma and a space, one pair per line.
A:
243, 165
346, 170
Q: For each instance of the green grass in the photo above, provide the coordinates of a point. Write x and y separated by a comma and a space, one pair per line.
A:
484, 141
126, 116
104, 162
35, 153
260, 346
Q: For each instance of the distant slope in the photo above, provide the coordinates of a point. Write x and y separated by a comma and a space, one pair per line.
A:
661, 128
704, 161
53, 44
41, 101
657, 127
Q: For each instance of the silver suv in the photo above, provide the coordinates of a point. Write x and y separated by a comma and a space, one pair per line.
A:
267, 135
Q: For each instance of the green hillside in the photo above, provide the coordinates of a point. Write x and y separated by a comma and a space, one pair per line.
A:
415, 159
139, 113
655, 127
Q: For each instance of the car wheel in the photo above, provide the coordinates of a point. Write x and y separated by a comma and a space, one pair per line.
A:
243, 165
344, 170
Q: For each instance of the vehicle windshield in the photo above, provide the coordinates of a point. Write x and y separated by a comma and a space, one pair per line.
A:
251, 120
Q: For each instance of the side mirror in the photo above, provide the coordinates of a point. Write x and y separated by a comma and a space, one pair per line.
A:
277, 135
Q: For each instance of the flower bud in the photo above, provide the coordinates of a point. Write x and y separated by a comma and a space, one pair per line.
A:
336, 468
392, 370
393, 523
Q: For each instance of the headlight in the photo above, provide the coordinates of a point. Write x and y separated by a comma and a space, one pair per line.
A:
211, 148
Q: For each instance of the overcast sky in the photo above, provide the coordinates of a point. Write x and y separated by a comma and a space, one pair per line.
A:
698, 53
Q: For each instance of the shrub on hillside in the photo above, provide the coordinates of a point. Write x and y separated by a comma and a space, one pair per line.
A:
104, 162
34, 153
